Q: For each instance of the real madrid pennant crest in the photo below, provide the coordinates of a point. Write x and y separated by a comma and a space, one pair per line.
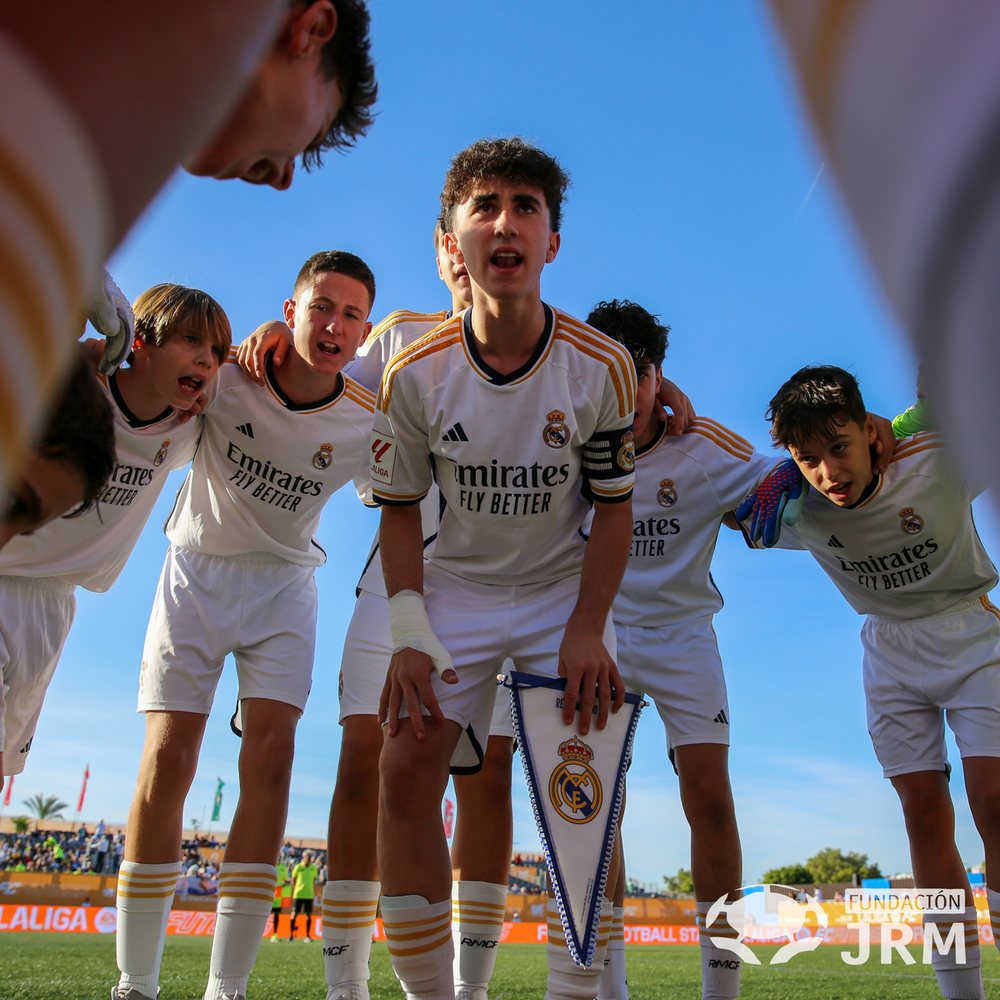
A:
576, 784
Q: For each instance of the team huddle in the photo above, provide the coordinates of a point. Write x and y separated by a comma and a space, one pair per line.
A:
539, 506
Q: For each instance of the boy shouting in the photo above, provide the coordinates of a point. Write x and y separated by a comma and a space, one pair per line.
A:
238, 579
522, 414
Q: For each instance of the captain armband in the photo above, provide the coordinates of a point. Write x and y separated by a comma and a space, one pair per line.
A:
609, 455
411, 629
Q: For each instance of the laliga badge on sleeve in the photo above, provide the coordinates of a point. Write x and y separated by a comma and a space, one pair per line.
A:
576, 784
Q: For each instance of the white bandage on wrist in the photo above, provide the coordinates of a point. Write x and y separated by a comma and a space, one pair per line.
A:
411, 629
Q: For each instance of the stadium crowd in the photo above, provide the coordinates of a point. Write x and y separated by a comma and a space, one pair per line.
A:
97, 853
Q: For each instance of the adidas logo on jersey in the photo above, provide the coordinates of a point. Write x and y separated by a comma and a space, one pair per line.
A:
721, 718
246, 429
456, 433
835, 542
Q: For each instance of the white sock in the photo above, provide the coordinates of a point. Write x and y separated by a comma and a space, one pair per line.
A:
613, 983
145, 893
566, 979
477, 912
246, 897
349, 907
993, 898
720, 969
958, 982
418, 934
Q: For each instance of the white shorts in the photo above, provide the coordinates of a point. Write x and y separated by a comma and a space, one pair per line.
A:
679, 667
918, 672
263, 611
482, 626
36, 614
367, 651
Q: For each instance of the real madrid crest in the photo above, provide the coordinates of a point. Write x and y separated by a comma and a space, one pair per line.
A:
626, 453
910, 521
574, 788
667, 495
323, 457
162, 453
556, 433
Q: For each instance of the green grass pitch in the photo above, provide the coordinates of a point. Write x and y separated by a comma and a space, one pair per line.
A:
41, 966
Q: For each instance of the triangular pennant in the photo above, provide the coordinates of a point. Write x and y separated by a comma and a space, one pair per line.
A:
576, 784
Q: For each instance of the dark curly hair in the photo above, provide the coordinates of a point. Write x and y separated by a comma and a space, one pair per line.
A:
815, 402
346, 58
640, 332
511, 160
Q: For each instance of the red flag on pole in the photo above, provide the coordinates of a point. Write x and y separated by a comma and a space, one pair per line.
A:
83, 791
10, 788
449, 817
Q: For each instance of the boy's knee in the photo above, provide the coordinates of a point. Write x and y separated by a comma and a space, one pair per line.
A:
266, 758
712, 810
398, 772
358, 771
706, 792
170, 761
927, 810
360, 748
495, 774
985, 803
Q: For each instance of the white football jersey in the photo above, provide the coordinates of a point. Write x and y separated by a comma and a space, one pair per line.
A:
683, 488
266, 466
908, 550
91, 550
398, 330
513, 455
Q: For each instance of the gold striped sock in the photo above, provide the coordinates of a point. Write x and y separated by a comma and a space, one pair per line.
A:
349, 914
146, 885
472, 914
416, 937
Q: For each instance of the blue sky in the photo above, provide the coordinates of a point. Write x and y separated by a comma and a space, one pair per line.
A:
697, 191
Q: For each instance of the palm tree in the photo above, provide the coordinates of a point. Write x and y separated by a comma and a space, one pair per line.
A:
21, 823
45, 807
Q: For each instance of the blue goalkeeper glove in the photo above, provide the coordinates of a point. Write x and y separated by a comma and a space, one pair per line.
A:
778, 500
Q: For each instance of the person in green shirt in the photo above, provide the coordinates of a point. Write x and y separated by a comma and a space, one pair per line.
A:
276, 909
303, 891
